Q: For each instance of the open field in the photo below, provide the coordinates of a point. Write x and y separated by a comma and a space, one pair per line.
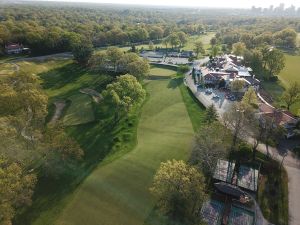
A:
290, 74
80, 111
204, 38
117, 193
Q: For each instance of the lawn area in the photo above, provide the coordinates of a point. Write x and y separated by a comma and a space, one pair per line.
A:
80, 111
118, 192
290, 74
162, 71
204, 38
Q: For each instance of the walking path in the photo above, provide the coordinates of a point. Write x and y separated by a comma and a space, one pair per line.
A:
291, 164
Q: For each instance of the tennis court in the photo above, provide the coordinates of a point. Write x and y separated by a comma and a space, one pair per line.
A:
224, 171
240, 216
248, 178
212, 212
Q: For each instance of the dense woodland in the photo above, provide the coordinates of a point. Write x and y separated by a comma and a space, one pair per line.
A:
47, 28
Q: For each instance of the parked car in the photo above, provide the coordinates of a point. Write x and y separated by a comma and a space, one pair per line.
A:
232, 98
208, 91
216, 97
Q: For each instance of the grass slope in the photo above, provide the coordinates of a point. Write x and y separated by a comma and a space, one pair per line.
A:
117, 193
195, 109
80, 111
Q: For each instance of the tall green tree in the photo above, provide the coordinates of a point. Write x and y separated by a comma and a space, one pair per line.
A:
250, 97
114, 54
183, 38
125, 93
16, 189
291, 95
275, 61
239, 48
82, 52
211, 114
199, 48
139, 68
211, 143
180, 191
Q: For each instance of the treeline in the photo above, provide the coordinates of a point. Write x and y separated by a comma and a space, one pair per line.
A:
51, 29
286, 38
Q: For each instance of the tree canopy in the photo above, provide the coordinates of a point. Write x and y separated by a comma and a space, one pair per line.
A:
180, 191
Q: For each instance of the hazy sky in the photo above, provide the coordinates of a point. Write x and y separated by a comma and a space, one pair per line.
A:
200, 3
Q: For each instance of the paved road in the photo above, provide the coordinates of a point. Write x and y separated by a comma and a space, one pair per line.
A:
291, 164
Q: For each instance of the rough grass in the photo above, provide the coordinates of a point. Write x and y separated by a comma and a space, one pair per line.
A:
118, 192
6, 69
80, 111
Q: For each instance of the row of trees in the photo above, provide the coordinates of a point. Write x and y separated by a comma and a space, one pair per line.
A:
29, 149
286, 38
55, 29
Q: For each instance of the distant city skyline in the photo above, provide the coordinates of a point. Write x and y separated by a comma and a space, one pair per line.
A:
199, 3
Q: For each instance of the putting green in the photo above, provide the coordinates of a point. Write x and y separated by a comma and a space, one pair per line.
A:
118, 193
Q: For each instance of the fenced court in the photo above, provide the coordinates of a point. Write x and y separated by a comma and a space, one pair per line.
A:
240, 216
248, 178
212, 212
224, 171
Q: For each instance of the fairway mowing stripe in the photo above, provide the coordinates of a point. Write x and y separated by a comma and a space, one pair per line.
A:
118, 193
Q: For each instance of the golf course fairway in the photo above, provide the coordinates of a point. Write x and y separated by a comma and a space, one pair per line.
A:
117, 193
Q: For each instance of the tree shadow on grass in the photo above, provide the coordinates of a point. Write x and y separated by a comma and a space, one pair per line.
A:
175, 82
98, 139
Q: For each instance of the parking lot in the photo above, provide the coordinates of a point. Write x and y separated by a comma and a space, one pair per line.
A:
207, 99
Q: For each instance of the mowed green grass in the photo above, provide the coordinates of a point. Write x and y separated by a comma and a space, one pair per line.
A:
204, 38
161, 71
80, 111
117, 193
289, 75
